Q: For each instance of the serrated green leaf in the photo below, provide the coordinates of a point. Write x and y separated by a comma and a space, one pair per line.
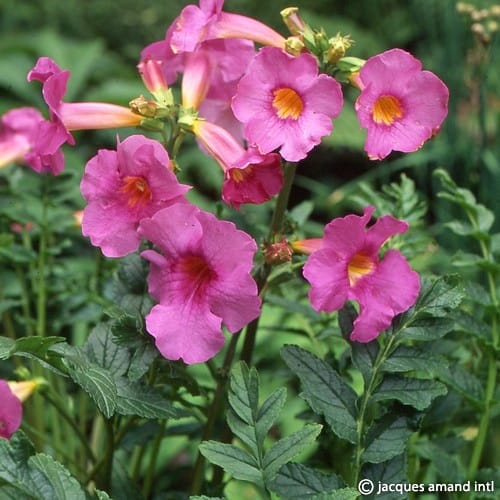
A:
102, 350
6, 347
324, 390
386, 439
300, 482
287, 448
233, 460
143, 401
425, 329
409, 391
363, 358
439, 297
142, 358
60, 485
391, 472
269, 413
244, 392
102, 495
464, 382
34, 476
405, 359
97, 382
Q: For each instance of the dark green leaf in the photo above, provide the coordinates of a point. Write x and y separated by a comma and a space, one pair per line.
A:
34, 476
96, 381
102, 350
447, 465
386, 439
347, 315
405, 359
391, 472
466, 384
363, 357
342, 494
410, 391
299, 482
440, 296
425, 329
287, 448
143, 401
233, 460
324, 390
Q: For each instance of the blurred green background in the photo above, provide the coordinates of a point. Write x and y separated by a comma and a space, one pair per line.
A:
100, 42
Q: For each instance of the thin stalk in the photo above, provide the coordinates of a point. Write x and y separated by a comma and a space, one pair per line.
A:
214, 412
491, 378
367, 394
63, 412
275, 231
107, 467
150, 474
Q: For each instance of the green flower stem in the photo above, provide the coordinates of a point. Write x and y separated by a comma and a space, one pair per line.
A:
275, 230
491, 355
150, 474
367, 394
63, 412
214, 412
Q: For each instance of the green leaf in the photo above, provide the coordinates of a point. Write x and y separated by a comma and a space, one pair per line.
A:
34, 476
425, 329
96, 381
235, 461
386, 439
391, 472
324, 390
440, 296
102, 350
466, 384
245, 419
363, 358
448, 466
59, 484
410, 391
299, 482
287, 448
137, 399
405, 359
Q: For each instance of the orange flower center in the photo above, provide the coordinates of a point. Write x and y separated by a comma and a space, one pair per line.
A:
387, 109
359, 266
240, 174
136, 189
287, 103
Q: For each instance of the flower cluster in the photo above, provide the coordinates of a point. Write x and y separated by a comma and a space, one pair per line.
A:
249, 108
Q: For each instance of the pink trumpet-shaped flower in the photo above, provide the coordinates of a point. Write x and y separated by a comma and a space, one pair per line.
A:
64, 117
123, 187
208, 21
11, 411
285, 104
201, 280
347, 267
18, 133
249, 176
400, 105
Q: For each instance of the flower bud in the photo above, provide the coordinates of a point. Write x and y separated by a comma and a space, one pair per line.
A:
278, 253
292, 20
294, 45
144, 107
337, 47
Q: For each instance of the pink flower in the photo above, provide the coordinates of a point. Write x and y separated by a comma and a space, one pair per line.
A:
400, 105
11, 411
284, 103
249, 176
64, 117
18, 132
347, 267
201, 280
206, 22
123, 187
224, 63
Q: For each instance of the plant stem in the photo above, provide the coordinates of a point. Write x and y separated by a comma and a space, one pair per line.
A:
214, 411
72, 422
275, 231
367, 394
150, 474
491, 356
